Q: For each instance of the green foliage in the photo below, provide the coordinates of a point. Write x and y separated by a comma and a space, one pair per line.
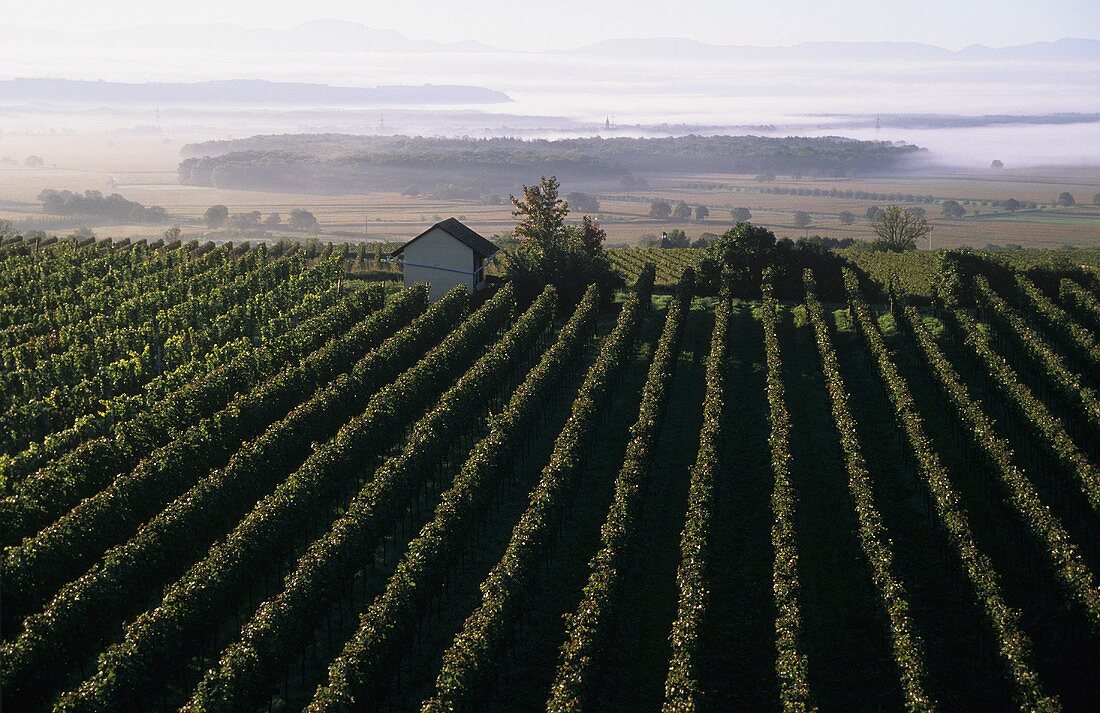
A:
952, 210
175, 628
301, 219
569, 257
874, 539
660, 209
1013, 645
388, 624
898, 229
587, 627
682, 688
248, 671
479, 645
737, 258
677, 238
215, 216
1064, 556
790, 661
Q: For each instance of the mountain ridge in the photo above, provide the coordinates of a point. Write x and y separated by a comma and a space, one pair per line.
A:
341, 36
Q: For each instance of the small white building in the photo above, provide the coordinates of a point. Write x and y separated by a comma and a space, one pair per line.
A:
447, 254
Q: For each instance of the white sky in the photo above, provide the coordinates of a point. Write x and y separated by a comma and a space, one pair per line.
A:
565, 24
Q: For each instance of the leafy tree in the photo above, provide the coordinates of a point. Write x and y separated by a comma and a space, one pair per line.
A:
802, 219
7, 230
847, 217
918, 211
952, 210
660, 209
570, 257
301, 219
677, 239
155, 214
701, 213
899, 229
246, 221
215, 216
737, 257
542, 215
740, 215
411, 191
33, 161
873, 213
172, 234
272, 219
1065, 198
583, 203
682, 211
997, 163
1096, 199
1012, 204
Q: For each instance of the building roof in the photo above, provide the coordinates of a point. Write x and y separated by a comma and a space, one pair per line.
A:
460, 232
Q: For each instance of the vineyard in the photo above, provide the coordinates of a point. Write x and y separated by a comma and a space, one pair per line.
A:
234, 479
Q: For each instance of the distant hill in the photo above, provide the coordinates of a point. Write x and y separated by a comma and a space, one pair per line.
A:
1066, 49
240, 92
315, 36
339, 36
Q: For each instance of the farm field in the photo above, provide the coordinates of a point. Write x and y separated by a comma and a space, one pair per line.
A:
143, 169
234, 479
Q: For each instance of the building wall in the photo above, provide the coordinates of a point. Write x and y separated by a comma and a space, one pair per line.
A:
437, 249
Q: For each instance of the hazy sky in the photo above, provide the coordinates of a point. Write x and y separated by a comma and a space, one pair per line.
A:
564, 24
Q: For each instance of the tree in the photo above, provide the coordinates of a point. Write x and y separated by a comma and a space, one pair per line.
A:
173, 234
246, 221
660, 209
411, 191
7, 230
272, 219
701, 213
952, 210
215, 216
33, 161
155, 214
737, 257
918, 211
899, 230
582, 203
997, 163
570, 257
682, 211
873, 213
1096, 199
802, 219
740, 215
847, 217
301, 219
704, 240
677, 239
1065, 198
1012, 204
541, 213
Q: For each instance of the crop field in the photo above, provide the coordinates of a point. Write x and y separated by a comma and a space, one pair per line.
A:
143, 169
235, 480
